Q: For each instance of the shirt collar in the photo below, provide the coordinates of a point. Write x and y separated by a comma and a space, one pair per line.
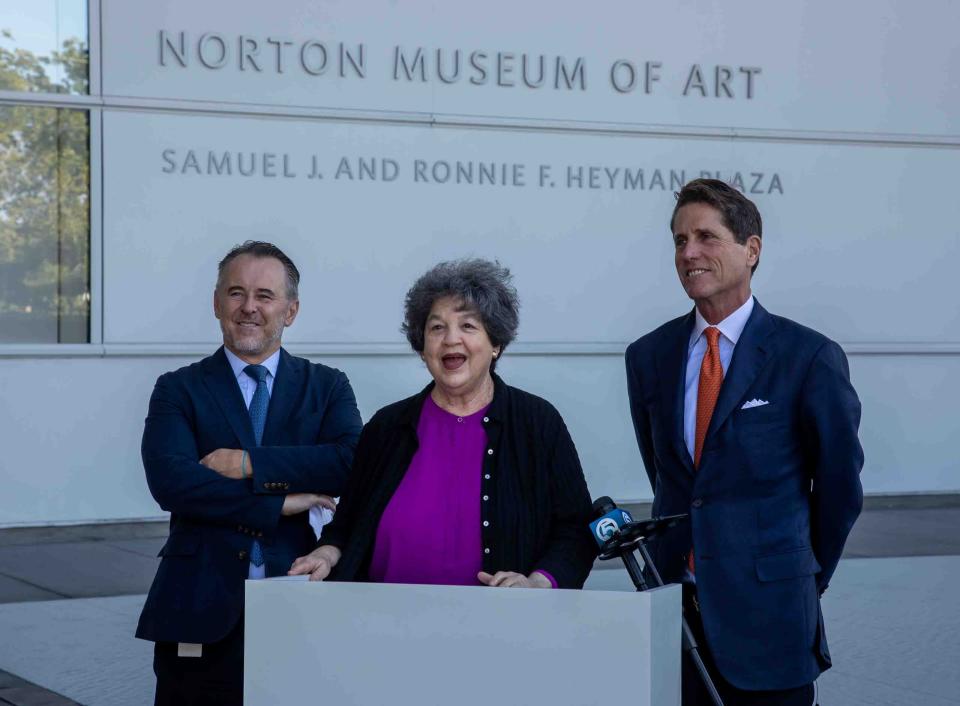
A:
731, 327
238, 365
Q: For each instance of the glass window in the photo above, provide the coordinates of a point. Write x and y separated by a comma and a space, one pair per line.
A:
44, 225
44, 46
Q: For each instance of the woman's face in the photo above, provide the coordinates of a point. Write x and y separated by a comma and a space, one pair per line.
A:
456, 347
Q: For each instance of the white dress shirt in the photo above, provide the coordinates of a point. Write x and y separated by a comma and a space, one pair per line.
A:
730, 330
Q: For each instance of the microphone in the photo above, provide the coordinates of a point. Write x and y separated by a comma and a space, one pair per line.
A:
610, 519
613, 522
606, 528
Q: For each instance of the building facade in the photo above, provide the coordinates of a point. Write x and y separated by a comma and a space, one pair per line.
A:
139, 142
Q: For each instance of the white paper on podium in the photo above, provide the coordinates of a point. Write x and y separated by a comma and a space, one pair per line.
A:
364, 643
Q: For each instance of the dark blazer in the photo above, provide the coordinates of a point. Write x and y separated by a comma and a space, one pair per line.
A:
538, 508
776, 494
308, 443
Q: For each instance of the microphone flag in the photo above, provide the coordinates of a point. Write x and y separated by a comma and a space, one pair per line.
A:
605, 526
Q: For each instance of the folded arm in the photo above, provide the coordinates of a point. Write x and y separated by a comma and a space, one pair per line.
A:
318, 467
178, 481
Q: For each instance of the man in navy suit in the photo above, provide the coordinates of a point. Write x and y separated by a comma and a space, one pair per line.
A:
238, 448
748, 422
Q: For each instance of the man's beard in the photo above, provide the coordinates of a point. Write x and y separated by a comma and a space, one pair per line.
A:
252, 345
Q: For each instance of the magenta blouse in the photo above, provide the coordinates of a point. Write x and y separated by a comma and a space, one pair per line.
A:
430, 530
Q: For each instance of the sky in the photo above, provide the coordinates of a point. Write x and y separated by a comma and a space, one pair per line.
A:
41, 26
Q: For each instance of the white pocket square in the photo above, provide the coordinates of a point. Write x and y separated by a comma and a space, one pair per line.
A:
754, 403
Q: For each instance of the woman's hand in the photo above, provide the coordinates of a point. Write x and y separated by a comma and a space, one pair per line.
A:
318, 563
511, 579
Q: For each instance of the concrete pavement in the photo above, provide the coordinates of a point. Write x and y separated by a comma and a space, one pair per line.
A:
72, 597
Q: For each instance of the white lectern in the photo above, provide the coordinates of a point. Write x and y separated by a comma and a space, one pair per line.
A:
340, 644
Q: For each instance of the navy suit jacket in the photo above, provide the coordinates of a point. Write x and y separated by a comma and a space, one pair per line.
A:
775, 496
311, 432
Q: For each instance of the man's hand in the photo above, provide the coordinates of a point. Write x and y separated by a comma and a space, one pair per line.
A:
318, 563
511, 579
295, 503
227, 462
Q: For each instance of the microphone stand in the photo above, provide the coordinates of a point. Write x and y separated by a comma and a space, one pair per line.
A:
632, 537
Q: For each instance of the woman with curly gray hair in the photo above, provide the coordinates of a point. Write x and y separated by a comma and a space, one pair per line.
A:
471, 481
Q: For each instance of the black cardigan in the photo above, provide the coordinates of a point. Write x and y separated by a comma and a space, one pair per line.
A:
538, 508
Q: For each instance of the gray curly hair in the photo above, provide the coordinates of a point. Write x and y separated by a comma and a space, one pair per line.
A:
484, 287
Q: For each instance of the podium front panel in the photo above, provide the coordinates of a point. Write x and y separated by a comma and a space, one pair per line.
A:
361, 643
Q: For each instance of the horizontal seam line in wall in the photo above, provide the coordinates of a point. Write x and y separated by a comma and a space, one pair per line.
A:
388, 349
451, 120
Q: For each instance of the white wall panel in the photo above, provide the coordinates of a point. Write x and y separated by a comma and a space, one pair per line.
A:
590, 246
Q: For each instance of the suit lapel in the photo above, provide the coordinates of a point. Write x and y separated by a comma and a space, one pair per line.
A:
672, 369
285, 388
750, 355
219, 378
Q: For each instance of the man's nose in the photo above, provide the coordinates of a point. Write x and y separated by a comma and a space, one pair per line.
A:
689, 251
249, 304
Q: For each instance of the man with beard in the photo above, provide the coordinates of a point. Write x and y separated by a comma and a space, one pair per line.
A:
238, 447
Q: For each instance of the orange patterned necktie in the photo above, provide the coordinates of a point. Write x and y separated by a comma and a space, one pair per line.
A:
711, 378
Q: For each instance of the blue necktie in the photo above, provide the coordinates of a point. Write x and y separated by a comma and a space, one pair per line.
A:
258, 417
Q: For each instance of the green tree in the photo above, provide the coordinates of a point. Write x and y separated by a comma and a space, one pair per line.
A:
44, 201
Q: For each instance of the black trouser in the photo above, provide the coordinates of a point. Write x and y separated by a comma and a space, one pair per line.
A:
213, 679
696, 694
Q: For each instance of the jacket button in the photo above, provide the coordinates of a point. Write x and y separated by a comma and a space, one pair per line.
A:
697, 503
489, 452
242, 555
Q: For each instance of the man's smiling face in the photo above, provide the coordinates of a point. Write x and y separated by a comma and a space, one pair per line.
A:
252, 305
713, 267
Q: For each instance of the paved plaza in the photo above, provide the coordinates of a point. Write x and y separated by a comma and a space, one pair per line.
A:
69, 601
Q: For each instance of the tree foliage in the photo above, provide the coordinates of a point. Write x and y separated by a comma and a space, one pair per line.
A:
44, 200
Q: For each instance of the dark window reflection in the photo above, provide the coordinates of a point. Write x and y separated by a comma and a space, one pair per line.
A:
44, 225
44, 46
